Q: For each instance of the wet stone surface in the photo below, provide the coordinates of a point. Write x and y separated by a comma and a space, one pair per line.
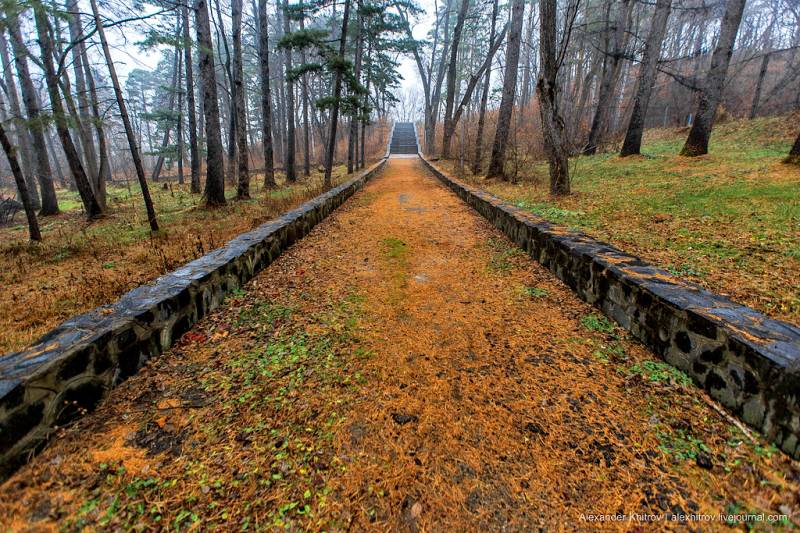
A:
67, 372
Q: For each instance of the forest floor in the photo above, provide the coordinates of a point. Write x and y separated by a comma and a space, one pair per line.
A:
729, 221
80, 265
403, 367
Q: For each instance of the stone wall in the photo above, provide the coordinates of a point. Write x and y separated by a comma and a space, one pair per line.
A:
70, 369
745, 360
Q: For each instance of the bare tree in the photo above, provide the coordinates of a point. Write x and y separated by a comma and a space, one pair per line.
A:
710, 95
555, 143
478, 156
91, 206
126, 121
194, 152
611, 72
20, 131
449, 126
647, 77
22, 187
509, 91
243, 188
30, 99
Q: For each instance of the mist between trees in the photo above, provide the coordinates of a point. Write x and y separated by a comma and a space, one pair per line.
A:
263, 89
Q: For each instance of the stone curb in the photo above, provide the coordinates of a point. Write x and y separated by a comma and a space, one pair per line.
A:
747, 361
70, 369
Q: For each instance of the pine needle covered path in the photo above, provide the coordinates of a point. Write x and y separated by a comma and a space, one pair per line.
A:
403, 367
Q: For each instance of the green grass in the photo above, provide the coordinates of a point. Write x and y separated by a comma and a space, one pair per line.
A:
598, 323
660, 372
730, 220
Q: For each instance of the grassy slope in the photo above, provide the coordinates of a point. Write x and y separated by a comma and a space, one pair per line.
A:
80, 266
729, 220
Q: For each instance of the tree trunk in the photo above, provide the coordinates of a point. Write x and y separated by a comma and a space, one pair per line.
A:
194, 152
55, 160
711, 94
352, 144
126, 121
91, 206
30, 99
20, 131
478, 156
266, 94
75, 33
794, 153
647, 77
104, 171
179, 126
337, 94
762, 73
306, 123
509, 89
547, 90
608, 84
22, 187
449, 126
243, 188
525, 95
215, 165
432, 114
289, 161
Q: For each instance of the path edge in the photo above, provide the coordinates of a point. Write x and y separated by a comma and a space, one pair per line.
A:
747, 361
69, 370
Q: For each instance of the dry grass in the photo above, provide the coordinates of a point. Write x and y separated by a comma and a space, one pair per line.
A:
79, 266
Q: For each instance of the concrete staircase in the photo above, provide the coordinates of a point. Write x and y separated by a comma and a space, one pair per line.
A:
404, 139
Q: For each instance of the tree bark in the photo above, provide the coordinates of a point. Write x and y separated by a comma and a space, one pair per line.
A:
266, 94
289, 160
179, 126
509, 89
20, 130
352, 144
87, 142
762, 73
215, 166
126, 121
91, 206
647, 77
243, 188
527, 76
711, 94
30, 99
794, 153
22, 187
306, 122
337, 94
194, 152
478, 155
547, 90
